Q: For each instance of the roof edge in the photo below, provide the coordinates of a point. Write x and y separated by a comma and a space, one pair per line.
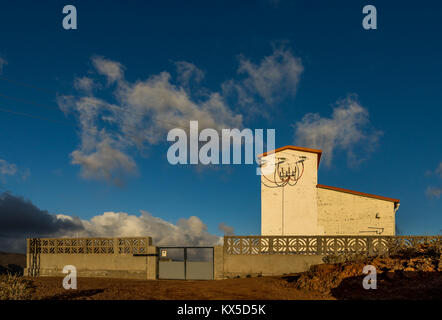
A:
369, 195
288, 147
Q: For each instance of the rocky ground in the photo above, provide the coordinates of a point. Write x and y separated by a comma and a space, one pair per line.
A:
413, 273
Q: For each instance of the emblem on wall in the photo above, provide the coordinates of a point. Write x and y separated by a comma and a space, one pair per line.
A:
373, 230
287, 172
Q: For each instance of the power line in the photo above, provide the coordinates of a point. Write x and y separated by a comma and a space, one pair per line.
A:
51, 92
28, 115
32, 116
26, 85
29, 102
105, 105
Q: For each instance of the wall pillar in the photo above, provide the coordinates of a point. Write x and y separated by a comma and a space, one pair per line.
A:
116, 246
152, 263
218, 262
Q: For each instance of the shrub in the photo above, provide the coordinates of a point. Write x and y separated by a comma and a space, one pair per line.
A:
14, 287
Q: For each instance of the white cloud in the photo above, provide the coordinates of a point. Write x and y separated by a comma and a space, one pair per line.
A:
113, 70
439, 170
274, 78
84, 83
104, 163
7, 169
188, 72
11, 169
434, 192
143, 114
156, 105
347, 129
3, 62
101, 153
228, 231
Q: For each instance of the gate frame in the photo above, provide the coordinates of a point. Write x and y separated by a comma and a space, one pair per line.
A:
185, 258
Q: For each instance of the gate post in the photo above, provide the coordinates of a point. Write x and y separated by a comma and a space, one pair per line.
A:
218, 262
152, 263
185, 263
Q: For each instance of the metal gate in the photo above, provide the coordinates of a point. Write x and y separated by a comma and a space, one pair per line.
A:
186, 263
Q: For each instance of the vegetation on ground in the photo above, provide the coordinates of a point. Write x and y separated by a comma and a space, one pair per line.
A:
15, 287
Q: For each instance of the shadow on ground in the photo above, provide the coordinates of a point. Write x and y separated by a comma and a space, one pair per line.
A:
399, 285
75, 294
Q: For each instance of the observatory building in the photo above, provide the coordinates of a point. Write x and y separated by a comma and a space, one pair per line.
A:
293, 203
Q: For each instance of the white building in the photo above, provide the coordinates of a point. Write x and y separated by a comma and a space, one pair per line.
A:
293, 203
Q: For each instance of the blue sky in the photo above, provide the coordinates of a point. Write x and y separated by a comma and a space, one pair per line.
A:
392, 73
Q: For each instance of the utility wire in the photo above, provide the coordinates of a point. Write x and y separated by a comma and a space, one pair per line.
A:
28, 115
26, 85
51, 92
71, 124
28, 102
32, 116
105, 105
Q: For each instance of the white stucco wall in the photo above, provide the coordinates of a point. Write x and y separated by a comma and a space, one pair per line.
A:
306, 209
291, 210
342, 213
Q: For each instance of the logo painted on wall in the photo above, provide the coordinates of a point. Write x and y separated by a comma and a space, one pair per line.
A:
285, 173
376, 230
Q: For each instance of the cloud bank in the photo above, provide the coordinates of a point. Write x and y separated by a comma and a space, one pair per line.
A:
20, 219
190, 232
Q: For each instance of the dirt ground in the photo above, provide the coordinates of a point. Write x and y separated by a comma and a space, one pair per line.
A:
262, 288
391, 286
